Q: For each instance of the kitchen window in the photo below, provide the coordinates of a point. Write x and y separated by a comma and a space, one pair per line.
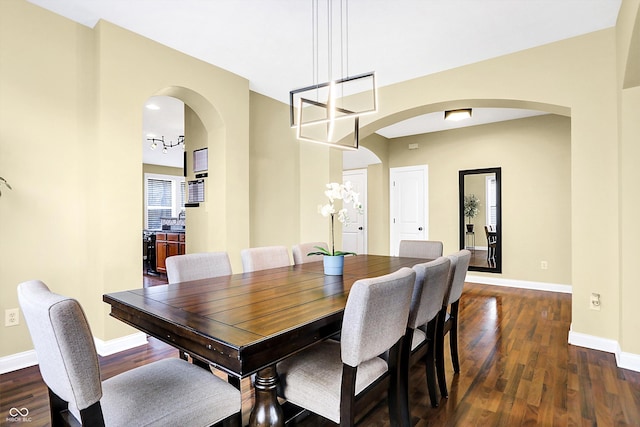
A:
164, 197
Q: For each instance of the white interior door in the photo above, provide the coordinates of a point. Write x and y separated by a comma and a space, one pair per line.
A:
354, 236
408, 210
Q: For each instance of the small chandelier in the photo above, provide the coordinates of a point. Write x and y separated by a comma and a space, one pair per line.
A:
327, 112
166, 145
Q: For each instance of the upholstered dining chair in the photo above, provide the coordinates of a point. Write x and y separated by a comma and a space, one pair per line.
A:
330, 378
169, 392
265, 257
301, 250
426, 303
428, 249
201, 265
449, 316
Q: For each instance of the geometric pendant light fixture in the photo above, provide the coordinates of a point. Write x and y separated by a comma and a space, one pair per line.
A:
328, 112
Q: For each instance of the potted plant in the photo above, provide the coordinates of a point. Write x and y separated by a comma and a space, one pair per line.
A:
334, 260
471, 205
5, 183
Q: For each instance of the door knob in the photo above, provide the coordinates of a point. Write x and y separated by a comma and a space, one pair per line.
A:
360, 228
419, 228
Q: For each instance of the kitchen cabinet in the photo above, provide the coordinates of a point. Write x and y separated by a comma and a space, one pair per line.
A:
168, 244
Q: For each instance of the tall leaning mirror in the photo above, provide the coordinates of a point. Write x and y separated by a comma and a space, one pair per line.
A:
480, 198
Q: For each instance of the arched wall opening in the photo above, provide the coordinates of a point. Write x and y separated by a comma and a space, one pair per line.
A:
397, 116
535, 154
206, 224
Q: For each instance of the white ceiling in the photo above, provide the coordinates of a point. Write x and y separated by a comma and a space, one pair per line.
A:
269, 42
434, 122
166, 121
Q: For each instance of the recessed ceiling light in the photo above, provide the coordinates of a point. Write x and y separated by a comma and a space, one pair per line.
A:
460, 114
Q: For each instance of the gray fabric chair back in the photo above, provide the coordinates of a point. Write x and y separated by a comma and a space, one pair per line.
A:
376, 315
300, 252
63, 342
459, 266
203, 265
429, 291
429, 249
254, 259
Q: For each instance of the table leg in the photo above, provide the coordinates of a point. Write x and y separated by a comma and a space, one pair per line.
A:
266, 410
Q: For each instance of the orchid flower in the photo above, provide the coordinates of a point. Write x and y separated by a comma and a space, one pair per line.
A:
335, 192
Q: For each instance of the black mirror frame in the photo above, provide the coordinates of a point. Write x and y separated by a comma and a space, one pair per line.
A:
498, 173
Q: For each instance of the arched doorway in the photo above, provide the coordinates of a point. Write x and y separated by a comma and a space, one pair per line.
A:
164, 186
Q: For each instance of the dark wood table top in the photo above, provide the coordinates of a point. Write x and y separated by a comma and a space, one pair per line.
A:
246, 322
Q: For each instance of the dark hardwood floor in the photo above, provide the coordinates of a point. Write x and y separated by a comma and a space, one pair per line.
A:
153, 279
516, 369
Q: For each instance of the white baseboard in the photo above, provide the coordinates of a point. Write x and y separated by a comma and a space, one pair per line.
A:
623, 360
521, 284
13, 362
628, 361
594, 343
105, 348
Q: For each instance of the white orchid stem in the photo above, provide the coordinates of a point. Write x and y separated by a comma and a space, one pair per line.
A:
333, 250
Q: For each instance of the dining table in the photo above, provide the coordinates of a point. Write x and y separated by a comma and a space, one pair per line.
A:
245, 323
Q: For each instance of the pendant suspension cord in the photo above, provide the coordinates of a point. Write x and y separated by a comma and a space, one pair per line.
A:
346, 37
341, 39
314, 41
329, 38
344, 41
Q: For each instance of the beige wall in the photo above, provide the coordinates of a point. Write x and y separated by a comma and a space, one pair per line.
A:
70, 108
275, 186
70, 125
200, 232
46, 152
378, 196
288, 179
629, 79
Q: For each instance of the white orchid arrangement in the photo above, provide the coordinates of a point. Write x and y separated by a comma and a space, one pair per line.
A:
335, 192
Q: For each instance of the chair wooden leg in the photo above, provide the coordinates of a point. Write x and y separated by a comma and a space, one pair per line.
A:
430, 364
56, 407
92, 416
403, 388
397, 399
439, 356
453, 337
347, 399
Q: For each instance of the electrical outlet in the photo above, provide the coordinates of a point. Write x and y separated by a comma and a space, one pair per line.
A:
594, 301
543, 265
11, 317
